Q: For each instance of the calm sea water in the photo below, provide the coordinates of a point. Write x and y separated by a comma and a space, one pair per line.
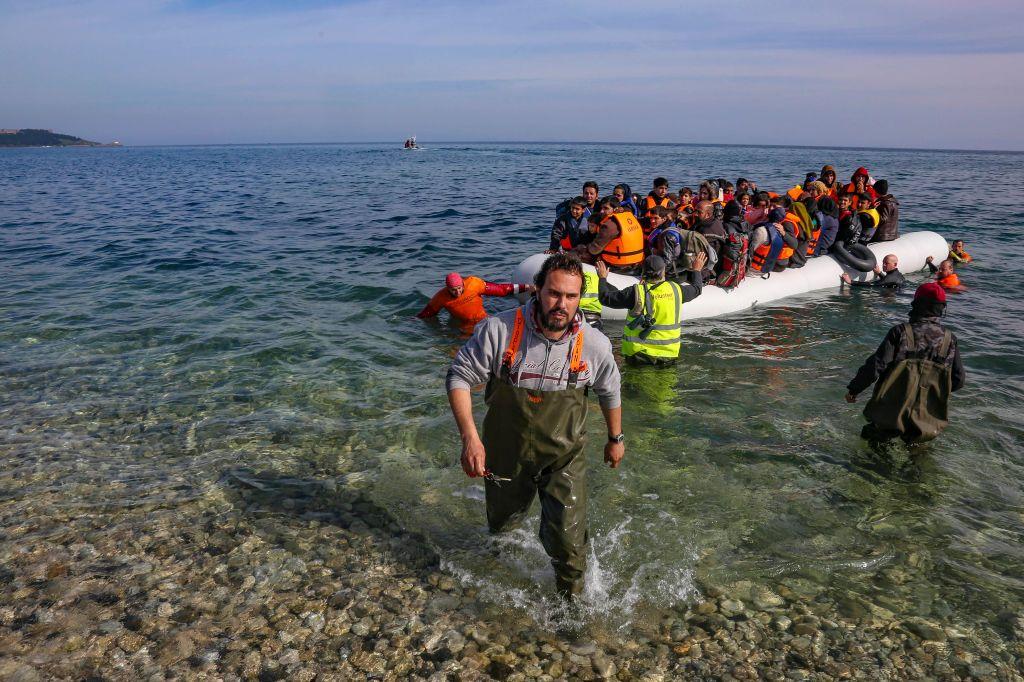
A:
172, 314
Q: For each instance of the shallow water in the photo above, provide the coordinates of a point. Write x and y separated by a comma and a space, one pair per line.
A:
171, 315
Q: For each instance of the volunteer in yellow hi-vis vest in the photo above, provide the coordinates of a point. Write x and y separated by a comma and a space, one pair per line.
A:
654, 322
590, 305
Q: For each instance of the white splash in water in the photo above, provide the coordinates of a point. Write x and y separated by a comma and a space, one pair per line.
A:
615, 584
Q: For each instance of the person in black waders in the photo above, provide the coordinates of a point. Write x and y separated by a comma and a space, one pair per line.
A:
539, 361
917, 367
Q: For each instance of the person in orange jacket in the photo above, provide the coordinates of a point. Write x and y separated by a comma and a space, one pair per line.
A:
944, 274
463, 298
957, 253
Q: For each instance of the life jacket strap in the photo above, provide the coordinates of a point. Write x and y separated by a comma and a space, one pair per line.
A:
576, 364
512, 352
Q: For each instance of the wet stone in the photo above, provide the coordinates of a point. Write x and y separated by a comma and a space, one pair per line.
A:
801, 643
805, 629
731, 607
764, 599
603, 666
110, 627
925, 630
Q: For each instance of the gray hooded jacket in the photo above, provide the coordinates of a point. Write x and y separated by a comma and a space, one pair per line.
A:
541, 364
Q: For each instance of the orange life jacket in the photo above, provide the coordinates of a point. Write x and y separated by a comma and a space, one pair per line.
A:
812, 243
961, 256
794, 227
686, 215
650, 203
851, 189
795, 193
949, 281
760, 254
469, 307
757, 260
627, 248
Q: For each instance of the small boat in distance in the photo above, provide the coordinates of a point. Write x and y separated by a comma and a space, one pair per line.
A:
410, 143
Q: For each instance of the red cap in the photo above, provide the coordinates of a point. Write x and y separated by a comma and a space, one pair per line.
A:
930, 291
453, 280
861, 171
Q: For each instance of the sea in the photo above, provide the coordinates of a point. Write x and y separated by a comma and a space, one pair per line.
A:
173, 317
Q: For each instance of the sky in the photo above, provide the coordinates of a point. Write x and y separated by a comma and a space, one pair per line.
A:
922, 73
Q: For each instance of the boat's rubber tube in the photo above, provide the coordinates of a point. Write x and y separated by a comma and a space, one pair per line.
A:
859, 257
820, 273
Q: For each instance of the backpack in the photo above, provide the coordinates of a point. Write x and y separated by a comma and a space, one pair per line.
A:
681, 249
734, 260
775, 246
913, 400
693, 243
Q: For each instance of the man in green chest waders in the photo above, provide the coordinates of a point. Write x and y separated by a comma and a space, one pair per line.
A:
917, 367
539, 362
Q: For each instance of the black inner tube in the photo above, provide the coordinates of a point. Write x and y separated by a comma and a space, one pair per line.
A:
859, 256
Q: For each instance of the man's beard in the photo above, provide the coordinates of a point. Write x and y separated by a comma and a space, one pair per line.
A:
553, 324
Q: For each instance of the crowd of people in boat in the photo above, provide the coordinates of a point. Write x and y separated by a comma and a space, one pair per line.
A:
716, 236
741, 228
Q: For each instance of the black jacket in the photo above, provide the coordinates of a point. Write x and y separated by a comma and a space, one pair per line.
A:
578, 231
626, 298
890, 280
889, 219
928, 335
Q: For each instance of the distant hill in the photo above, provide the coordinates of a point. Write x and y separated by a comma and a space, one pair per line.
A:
34, 137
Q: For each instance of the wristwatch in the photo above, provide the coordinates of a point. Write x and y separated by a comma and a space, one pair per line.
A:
617, 439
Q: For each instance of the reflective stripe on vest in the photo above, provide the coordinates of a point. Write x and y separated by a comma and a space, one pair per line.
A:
627, 248
589, 302
663, 341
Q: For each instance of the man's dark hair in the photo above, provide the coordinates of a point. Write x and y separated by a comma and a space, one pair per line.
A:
591, 183
578, 201
566, 262
865, 197
685, 190
784, 200
661, 212
622, 187
660, 182
608, 201
740, 181
882, 186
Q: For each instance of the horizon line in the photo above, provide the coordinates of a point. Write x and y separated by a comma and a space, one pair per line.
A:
556, 142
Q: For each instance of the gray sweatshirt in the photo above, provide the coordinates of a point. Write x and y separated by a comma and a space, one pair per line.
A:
541, 364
